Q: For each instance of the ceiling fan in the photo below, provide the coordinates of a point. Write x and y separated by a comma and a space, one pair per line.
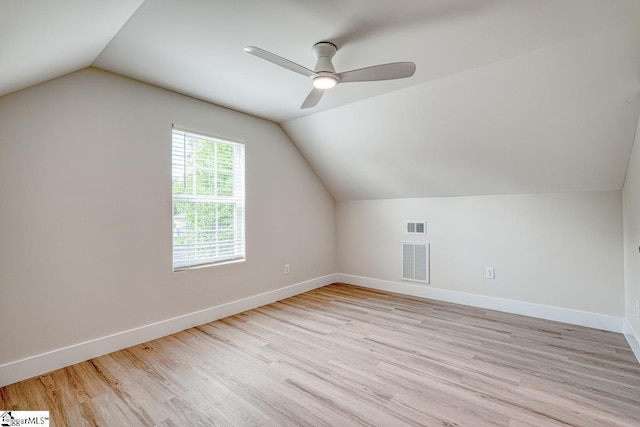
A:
324, 76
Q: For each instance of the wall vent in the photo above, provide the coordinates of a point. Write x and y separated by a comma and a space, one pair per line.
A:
416, 227
415, 262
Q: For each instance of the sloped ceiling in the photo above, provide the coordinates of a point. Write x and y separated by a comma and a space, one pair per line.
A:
508, 97
557, 119
41, 40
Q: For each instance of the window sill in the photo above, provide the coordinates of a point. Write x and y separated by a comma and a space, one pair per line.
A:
212, 264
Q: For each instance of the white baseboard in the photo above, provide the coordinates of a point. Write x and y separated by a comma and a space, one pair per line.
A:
46, 362
565, 315
633, 338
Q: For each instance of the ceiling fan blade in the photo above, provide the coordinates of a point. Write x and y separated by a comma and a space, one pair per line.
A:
278, 60
395, 70
313, 98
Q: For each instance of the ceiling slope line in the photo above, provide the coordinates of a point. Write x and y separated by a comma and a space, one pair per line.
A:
115, 34
634, 146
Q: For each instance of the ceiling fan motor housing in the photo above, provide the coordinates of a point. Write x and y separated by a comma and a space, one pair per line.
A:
324, 51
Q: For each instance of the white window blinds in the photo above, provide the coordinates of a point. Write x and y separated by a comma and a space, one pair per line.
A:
208, 200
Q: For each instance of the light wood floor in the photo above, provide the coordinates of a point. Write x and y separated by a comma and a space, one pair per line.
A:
341, 356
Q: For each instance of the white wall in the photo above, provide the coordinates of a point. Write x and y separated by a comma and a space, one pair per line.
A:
631, 202
85, 217
85, 222
561, 250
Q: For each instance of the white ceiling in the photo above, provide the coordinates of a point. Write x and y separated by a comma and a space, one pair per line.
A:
509, 96
40, 39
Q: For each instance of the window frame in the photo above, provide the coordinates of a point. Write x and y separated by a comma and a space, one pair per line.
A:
237, 199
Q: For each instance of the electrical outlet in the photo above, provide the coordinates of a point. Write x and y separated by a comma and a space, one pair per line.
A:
286, 269
490, 273
638, 307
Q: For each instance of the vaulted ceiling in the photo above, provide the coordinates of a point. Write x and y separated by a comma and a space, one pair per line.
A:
508, 97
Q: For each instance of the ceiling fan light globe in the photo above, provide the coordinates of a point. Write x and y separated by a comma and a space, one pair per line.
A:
324, 82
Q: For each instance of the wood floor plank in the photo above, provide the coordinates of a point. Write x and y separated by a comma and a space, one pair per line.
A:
343, 355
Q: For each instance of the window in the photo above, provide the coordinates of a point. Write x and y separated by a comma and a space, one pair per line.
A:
208, 200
